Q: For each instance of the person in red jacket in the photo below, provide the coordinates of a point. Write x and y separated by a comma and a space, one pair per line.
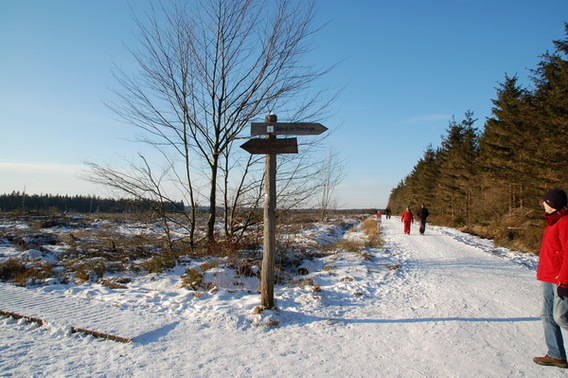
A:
553, 272
407, 218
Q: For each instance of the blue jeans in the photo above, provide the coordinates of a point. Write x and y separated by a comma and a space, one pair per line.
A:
554, 317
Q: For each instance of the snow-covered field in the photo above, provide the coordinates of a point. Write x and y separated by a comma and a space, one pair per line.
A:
445, 304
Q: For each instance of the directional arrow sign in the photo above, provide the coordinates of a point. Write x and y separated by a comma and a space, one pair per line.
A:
271, 146
278, 128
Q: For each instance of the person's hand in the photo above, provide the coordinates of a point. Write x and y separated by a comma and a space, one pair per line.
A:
562, 292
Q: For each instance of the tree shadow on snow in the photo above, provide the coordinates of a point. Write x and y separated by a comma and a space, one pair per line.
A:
437, 320
291, 318
152, 336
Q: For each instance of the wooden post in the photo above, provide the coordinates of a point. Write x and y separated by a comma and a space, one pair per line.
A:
267, 273
270, 147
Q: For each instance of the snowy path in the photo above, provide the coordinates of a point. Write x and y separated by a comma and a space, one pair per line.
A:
465, 312
452, 309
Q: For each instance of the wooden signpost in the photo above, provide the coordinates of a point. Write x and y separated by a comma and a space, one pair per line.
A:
300, 128
271, 146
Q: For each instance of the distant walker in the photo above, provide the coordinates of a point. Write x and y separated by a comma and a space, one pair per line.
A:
423, 213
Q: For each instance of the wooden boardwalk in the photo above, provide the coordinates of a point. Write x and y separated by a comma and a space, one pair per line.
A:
91, 317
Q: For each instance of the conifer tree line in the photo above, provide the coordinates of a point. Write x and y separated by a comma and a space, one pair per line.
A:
477, 176
48, 203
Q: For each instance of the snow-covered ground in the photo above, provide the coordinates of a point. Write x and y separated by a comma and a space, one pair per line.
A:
445, 304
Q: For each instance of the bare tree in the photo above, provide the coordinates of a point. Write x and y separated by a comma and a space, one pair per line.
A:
333, 174
142, 183
207, 68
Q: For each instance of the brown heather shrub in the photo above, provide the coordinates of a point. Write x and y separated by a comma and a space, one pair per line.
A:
192, 279
36, 273
19, 273
229, 247
208, 265
246, 268
112, 284
303, 282
365, 255
87, 271
159, 263
10, 268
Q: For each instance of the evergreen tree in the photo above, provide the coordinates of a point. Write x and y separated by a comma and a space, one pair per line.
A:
522, 151
507, 146
424, 177
457, 169
551, 100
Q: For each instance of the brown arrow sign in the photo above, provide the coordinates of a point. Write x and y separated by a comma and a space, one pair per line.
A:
278, 128
271, 146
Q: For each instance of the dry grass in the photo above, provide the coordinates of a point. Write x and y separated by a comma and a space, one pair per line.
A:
373, 240
520, 229
372, 231
22, 274
348, 245
85, 248
369, 227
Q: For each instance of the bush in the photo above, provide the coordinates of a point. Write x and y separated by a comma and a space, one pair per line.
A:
16, 271
112, 284
192, 279
88, 271
227, 247
11, 268
159, 263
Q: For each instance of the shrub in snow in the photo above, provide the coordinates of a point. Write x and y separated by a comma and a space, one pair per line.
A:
11, 268
192, 278
22, 274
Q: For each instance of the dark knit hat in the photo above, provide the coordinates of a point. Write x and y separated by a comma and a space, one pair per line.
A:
555, 198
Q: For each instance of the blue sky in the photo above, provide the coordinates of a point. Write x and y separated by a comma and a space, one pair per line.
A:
408, 66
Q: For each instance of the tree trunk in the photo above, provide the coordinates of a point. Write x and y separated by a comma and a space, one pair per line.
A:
213, 199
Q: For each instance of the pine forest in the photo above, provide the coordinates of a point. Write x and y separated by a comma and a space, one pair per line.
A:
491, 181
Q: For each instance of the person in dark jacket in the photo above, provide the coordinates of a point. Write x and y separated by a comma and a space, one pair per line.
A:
407, 219
552, 271
423, 213
388, 212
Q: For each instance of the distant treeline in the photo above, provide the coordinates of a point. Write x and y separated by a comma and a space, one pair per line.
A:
17, 201
477, 177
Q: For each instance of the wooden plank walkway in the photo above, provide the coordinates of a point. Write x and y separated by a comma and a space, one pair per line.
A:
94, 318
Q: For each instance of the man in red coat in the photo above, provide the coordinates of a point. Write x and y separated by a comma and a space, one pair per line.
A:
407, 218
553, 272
